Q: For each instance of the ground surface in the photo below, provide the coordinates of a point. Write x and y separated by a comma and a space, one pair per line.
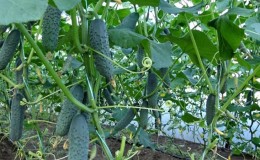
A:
170, 149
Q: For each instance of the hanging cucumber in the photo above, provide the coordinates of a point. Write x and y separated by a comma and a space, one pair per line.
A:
126, 120
68, 111
78, 138
50, 28
8, 49
17, 117
99, 42
152, 83
210, 108
144, 116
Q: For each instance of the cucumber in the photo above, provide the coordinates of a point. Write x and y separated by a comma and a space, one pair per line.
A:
99, 42
125, 121
143, 116
17, 117
165, 75
68, 111
129, 21
210, 108
50, 28
3, 29
140, 56
8, 49
108, 97
151, 85
78, 138
249, 98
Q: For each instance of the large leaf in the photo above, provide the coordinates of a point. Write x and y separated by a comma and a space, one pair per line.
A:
129, 22
188, 118
205, 47
160, 53
124, 37
144, 139
66, 5
153, 3
21, 11
229, 34
241, 11
166, 7
252, 27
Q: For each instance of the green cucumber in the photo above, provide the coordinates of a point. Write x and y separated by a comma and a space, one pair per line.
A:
8, 49
144, 116
249, 98
68, 111
140, 56
78, 138
17, 117
152, 82
210, 108
99, 42
50, 28
125, 121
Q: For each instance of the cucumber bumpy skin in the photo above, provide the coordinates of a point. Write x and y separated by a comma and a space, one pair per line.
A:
50, 28
8, 49
17, 117
78, 138
68, 111
210, 108
99, 42
140, 56
152, 82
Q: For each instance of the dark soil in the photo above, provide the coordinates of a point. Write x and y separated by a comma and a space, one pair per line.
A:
180, 149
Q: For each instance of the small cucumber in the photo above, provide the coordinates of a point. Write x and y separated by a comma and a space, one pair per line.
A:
210, 108
78, 138
50, 28
98, 37
125, 121
17, 117
8, 49
151, 86
68, 111
144, 116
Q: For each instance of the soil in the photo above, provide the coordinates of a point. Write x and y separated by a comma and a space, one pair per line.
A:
56, 148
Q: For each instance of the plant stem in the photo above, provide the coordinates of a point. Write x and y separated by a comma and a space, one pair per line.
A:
200, 61
51, 70
18, 86
75, 30
98, 6
239, 89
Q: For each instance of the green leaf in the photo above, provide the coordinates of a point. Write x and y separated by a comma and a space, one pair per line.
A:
252, 28
166, 7
229, 34
129, 22
205, 47
256, 141
21, 11
144, 139
241, 11
160, 53
125, 38
66, 5
222, 5
153, 3
188, 118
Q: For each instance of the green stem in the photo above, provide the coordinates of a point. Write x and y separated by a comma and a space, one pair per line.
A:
50, 69
18, 86
200, 61
75, 30
98, 6
239, 89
